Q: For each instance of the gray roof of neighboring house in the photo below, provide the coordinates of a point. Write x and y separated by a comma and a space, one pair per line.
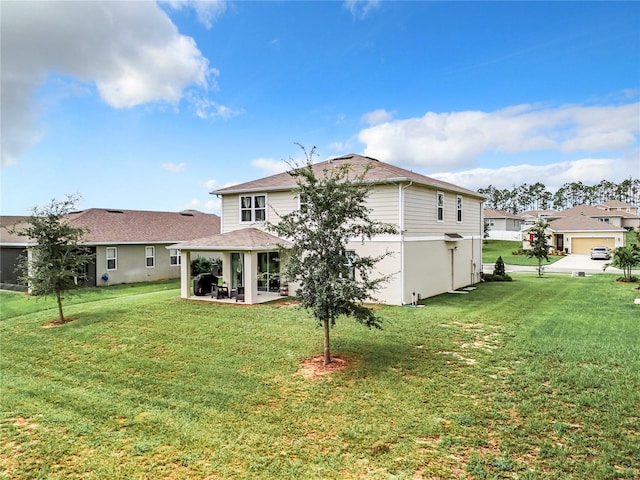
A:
538, 213
493, 213
379, 173
579, 223
617, 204
112, 226
593, 211
243, 239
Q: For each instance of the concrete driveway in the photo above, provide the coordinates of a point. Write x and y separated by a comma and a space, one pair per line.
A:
571, 263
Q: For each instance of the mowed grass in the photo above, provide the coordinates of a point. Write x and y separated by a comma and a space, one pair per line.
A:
492, 249
532, 379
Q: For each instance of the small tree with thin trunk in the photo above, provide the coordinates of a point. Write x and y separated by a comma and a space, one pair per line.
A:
57, 261
539, 244
333, 282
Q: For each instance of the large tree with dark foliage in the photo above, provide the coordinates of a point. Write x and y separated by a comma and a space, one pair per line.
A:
333, 282
57, 260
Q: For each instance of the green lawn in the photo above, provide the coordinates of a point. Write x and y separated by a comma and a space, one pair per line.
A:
530, 379
492, 249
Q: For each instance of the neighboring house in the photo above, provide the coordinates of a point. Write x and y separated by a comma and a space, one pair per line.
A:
503, 225
438, 247
129, 245
618, 206
629, 214
532, 216
12, 248
578, 229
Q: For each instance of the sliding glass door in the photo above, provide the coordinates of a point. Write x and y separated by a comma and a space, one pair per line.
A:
268, 272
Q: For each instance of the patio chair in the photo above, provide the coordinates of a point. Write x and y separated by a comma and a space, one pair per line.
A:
240, 294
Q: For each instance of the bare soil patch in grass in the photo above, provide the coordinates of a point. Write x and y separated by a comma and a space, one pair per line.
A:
314, 367
58, 322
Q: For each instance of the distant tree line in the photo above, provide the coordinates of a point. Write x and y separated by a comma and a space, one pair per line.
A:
537, 197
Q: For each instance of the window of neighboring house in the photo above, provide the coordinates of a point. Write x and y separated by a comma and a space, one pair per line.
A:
604, 220
253, 208
112, 258
174, 256
459, 209
440, 206
491, 222
150, 256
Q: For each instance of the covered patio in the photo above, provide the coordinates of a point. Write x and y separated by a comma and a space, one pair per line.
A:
250, 264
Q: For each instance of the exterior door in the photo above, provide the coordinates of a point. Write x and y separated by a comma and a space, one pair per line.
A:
268, 271
237, 270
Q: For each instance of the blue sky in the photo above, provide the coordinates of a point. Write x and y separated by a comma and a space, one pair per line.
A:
144, 105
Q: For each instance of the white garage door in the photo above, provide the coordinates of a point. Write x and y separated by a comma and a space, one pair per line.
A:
584, 245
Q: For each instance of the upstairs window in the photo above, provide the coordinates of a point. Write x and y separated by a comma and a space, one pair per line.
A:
253, 208
302, 202
150, 256
459, 209
440, 207
112, 258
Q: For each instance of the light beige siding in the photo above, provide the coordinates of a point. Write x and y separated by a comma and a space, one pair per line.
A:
421, 213
434, 267
384, 202
278, 203
390, 265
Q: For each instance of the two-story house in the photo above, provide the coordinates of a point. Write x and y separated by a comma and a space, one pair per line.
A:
438, 247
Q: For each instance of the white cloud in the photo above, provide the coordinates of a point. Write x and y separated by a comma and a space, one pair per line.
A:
212, 204
270, 166
208, 184
360, 9
130, 51
454, 140
206, 108
377, 116
207, 11
174, 167
586, 170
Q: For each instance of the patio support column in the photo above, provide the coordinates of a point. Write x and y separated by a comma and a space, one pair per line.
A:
185, 273
251, 277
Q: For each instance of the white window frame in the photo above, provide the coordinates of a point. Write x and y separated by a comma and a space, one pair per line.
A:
174, 257
439, 207
302, 204
253, 208
349, 257
459, 205
152, 256
114, 258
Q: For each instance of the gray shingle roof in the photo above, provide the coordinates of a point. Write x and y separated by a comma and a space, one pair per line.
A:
493, 213
243, 239
578, 222
136, 226
379, 173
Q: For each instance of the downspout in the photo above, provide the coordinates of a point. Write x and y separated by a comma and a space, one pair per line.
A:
401, 189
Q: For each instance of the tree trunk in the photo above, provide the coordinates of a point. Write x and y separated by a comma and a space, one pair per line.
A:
60, 314
327, 350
